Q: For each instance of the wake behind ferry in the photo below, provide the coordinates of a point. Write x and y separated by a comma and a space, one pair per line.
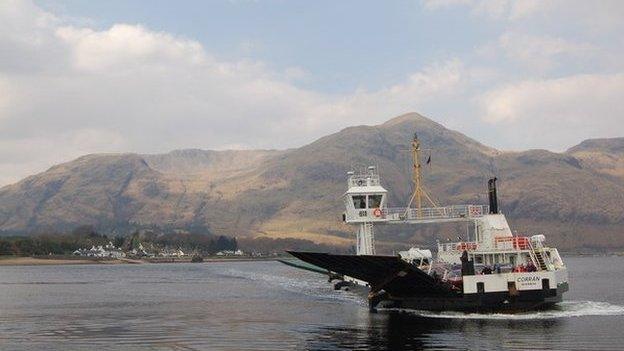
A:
496, 271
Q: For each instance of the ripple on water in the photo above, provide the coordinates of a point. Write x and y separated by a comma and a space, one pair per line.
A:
264, 305
315, 287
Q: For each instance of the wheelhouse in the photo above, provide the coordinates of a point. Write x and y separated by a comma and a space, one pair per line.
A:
365, 199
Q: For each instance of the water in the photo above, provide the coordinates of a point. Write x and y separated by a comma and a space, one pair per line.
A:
266, 305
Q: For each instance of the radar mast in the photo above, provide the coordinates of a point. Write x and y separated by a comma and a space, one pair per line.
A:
419, 190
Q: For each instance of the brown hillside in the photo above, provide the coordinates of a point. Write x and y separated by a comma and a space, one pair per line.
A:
576, 197
605, 156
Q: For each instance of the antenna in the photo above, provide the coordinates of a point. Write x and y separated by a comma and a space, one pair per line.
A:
419, 190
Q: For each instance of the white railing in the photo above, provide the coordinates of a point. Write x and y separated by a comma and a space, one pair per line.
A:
458, 246
433, 214
436, 213
537, 248
364, 180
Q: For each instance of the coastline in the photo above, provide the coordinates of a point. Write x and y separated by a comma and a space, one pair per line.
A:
70, 260
49, 261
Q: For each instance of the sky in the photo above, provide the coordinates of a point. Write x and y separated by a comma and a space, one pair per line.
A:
79, 77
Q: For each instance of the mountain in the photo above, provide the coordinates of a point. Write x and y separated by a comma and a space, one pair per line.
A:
574, 197
605, 156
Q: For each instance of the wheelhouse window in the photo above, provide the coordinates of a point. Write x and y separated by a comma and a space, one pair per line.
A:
359, 201
374, 201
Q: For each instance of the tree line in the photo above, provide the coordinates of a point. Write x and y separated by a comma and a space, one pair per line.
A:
87, 236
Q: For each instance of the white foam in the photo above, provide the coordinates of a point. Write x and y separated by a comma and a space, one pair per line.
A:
565, 309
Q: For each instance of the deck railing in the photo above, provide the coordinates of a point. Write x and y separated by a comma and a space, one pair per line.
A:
458, 246
364, 180
413, 215
436, 213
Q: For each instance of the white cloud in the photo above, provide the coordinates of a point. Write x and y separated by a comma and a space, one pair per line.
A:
20, 156
600, 15
544, 36
559, 71
541, 53
5, 96
127, 44
556, 112
570, 99
496, 9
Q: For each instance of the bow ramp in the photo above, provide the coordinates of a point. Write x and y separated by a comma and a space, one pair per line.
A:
389, 273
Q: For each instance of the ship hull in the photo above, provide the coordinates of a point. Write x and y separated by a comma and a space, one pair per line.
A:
492, 302
390, 282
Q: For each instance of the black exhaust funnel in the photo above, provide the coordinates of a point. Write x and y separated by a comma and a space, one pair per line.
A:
492, 195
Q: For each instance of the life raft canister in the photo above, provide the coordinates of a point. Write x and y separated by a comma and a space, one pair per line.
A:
475, 211
377, 212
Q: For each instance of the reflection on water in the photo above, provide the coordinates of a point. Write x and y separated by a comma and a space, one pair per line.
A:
265, 305
392, 331
399, 330
406, 331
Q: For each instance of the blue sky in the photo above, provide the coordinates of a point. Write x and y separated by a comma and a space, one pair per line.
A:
342, 45
82, 77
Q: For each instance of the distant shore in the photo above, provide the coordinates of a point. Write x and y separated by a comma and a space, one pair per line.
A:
46, 261
72, 260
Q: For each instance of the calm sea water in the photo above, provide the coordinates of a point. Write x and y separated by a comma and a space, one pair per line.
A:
266, 305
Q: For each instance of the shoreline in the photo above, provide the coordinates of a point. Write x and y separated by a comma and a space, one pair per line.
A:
50, 261
71, 260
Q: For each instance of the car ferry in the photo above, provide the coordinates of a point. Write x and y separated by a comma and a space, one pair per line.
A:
495, 271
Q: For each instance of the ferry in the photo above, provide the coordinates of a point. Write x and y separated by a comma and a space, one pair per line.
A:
492, 270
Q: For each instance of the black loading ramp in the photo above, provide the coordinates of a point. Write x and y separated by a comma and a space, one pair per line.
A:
396, 277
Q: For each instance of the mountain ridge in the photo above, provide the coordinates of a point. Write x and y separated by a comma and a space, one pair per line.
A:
296, 192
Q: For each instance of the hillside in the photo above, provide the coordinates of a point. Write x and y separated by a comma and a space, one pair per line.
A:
605, 156
576, 197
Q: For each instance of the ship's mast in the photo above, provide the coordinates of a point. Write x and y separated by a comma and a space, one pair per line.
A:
419, 190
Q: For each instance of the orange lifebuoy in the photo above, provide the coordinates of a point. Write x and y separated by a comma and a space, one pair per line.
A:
377, 212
